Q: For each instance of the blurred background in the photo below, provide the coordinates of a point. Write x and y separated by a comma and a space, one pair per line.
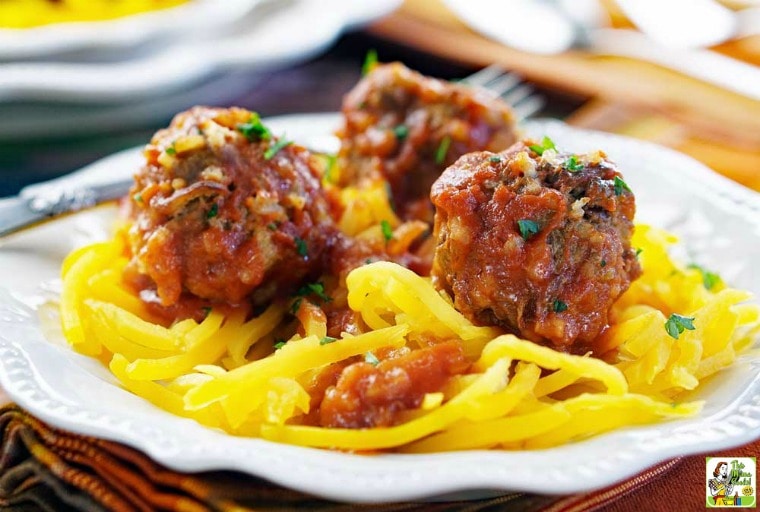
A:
81, 79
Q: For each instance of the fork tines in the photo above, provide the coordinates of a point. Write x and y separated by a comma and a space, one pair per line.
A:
508, 86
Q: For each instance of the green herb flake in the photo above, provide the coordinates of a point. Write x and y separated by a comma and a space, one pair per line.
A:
527, 228
558, 306
603, 263
330, 167
401, 131
573, 165
138, 198
442, 151
370, 61
171, 150
387, 230
327, 340
620, 186
276, 147
301, 248
676, 324
254, 130
317, 289
296, 306
709, 279
371, 358
279, 343
213, 211
546, 143
639, 250
206, 311
272, 226
495, 159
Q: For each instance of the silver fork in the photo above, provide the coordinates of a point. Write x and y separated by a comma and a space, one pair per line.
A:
510, 87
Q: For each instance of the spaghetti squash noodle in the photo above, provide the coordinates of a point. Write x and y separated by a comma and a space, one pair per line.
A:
228, 372
344, 302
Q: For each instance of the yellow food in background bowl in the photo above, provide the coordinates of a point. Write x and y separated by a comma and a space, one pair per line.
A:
33, 13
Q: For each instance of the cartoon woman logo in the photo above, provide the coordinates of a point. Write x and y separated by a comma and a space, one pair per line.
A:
722, 485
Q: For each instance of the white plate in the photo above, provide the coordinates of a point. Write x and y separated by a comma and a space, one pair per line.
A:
45, 40
34, 119
275, 33
720, 223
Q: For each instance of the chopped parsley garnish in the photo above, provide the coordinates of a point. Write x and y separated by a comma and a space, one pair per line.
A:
253, 130
709, 279
171, 150
443, 149
603, 263
677, 323
558, 306
573, 165
401, 131
371, 358
138, 198
206, 311
301, 248
279, 343
546, 143
317, 289
621, 185
370, 61
327, 340
213, 211
272, 226
387, 230
639, 250
495, 159
331, 161
276, 147
527, 228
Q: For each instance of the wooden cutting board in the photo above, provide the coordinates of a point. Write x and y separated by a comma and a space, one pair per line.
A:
718, 127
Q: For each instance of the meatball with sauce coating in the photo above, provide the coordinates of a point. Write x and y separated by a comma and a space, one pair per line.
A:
535, 241
225, 211
407, 128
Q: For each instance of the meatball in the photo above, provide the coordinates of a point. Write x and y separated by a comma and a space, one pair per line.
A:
535, 241
406, 128
225, 211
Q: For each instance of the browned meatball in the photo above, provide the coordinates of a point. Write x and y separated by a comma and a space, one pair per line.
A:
539, 244
225, 211
406, 128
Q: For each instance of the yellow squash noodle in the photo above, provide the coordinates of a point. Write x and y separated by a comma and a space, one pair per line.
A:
225, 371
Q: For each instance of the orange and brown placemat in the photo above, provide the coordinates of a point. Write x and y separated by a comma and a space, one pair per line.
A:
713, 125
45, 468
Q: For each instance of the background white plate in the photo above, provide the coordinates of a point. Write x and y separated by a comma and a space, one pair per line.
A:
274, 33
121, 33
720, 224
